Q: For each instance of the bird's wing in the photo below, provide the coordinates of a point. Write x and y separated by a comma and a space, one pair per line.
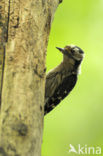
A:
61, 91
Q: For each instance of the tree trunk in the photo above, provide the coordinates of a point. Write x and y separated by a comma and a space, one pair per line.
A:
24, 31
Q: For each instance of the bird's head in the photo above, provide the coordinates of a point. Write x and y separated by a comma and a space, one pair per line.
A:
73, 52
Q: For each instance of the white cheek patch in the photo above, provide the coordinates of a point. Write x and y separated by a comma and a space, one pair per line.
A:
79, 70
83, 55
76, 50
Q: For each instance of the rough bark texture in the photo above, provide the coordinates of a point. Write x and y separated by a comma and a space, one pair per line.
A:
3, 39
24, 36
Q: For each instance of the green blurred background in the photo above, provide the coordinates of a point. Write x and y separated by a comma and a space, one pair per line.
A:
79, 118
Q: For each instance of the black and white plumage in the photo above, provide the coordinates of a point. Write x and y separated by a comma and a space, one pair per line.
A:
62, 79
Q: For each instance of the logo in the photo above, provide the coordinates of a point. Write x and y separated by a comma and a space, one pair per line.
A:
84, 149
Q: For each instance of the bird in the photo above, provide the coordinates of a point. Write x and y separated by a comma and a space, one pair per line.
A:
61, 80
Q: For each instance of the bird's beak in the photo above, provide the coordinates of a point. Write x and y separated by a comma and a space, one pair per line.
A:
61, 49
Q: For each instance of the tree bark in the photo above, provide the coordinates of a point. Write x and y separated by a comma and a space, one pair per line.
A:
24, 31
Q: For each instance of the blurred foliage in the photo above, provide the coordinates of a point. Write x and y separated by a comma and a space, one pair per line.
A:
79, 118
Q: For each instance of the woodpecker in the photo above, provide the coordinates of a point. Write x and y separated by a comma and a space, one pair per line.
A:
62, 79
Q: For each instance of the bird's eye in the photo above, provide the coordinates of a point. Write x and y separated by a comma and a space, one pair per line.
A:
72, 51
